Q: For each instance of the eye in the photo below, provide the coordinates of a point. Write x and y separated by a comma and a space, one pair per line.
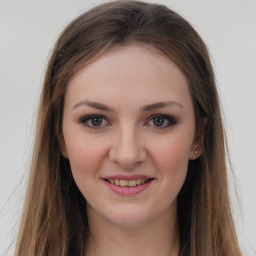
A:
162, 121
94, 121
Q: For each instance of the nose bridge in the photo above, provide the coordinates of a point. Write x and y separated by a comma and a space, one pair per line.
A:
127, 148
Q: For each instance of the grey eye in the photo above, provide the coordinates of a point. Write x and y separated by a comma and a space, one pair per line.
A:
162, 121
96, 121
159, 120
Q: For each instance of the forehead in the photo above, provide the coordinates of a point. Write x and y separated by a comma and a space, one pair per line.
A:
130, 73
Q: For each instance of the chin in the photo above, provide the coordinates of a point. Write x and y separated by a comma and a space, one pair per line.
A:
130, 220
132, 216
123, 216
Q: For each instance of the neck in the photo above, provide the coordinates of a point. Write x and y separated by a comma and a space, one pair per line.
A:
158, 237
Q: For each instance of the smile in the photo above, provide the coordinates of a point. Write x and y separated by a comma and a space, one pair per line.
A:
127, 183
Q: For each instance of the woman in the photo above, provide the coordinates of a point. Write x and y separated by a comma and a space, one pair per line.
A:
129, 155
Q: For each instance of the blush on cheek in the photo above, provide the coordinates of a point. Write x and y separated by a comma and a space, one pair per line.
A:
172, 158
84, 161
85, 157
170, 149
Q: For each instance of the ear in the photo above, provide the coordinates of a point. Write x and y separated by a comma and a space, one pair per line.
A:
63, 148
196, 148
198, 143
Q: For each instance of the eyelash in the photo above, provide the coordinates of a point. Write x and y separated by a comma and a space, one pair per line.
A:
170, 121
85, 120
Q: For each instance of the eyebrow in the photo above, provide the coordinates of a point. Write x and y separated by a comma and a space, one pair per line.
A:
92, 104
161, 105
146, 108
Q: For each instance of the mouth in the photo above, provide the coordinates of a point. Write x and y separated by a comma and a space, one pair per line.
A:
129, 183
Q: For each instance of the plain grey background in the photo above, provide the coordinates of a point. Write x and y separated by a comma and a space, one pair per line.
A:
28, 30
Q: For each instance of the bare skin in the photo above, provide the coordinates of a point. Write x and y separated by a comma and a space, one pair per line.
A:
126, 241
129, 115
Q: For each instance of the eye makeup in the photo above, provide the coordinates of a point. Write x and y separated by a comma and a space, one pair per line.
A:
157, 121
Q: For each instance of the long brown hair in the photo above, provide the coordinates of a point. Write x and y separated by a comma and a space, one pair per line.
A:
54, 218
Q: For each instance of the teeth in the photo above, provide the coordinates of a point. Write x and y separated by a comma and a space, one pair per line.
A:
132, 183
126, 183
138, 182
123, 183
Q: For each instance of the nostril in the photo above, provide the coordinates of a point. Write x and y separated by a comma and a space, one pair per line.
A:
127, 152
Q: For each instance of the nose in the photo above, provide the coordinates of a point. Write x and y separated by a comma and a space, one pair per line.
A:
127, 149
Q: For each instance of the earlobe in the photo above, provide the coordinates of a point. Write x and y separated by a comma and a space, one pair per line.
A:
197, 148
195, 153
64, 152
63, 148
198, 143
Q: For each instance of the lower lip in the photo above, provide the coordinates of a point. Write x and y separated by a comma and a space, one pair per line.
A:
128, 191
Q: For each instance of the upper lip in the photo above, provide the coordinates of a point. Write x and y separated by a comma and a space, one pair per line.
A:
127, 177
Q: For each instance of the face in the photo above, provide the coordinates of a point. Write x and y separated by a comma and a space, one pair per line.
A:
129, 132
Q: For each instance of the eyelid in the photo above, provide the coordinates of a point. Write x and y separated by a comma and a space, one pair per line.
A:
172, 120
87, 118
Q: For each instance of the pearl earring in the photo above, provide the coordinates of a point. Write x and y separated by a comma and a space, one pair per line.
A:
195, 151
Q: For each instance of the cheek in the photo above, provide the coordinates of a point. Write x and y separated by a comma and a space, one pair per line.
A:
173, 149
171, 162
85, 155
171, 157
